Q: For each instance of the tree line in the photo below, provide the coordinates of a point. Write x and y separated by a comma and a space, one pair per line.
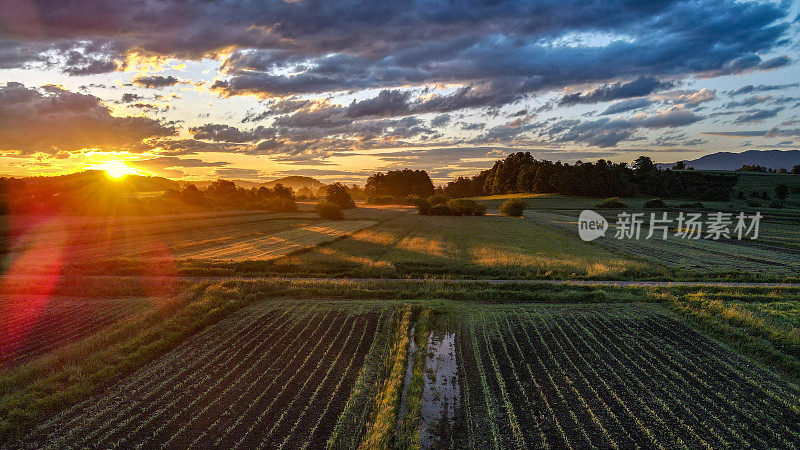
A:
522, 173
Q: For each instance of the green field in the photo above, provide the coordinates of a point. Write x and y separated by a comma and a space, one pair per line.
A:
423, 363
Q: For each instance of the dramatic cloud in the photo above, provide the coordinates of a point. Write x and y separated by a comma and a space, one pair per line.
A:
51, 119
637, 88
608, 133
440, 120
155, 81
749, 89
758, 115
337, 79
227, 133
627, 105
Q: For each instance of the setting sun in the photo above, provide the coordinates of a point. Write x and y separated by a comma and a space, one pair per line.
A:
116, 170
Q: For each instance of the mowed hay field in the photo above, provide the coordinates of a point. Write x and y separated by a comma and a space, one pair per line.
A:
44, 243
774, 255
489, 246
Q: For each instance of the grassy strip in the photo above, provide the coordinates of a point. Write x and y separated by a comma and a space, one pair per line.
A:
352, 422
475, 292
288, 266
408, 434
71, 373
381, 430
769, 342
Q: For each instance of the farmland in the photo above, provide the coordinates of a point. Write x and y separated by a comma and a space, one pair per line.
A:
272, 375
612, 377
310, 364
57, 243
285, 330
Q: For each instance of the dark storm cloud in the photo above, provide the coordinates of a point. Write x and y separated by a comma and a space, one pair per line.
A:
155, 81
52, 119
637, 88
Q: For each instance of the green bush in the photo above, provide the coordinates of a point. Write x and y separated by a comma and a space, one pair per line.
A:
613, 202
655, 203
437, 199
513, 207
423, 206
329, 211
466, 207
441, 210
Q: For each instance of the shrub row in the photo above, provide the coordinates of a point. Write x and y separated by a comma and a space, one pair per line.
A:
453, 207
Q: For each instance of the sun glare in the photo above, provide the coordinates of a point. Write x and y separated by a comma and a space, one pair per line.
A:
116, 170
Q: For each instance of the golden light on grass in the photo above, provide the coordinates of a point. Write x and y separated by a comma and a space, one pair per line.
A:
116, 170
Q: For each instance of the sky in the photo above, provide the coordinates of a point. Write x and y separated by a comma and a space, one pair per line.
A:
338, 90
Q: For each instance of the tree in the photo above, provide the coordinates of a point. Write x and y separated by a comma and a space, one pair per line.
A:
400, 184
680, 165
796, 169
781, 191
337, 194
644, 165
192, 196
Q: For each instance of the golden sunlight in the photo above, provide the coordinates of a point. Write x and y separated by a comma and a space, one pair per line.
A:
116, 170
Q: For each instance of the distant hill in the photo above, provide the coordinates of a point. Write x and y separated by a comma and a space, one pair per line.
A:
297, 182
771, 159
131, 183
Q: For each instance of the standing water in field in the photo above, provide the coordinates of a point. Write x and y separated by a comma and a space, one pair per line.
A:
440, 394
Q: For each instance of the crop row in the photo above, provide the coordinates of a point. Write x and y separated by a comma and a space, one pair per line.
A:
34, 325
579, 380
268, 376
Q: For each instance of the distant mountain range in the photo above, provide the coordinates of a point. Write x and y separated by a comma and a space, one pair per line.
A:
139, 183
771, 159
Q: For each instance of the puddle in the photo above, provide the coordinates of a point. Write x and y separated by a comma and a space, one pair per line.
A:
440, 394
